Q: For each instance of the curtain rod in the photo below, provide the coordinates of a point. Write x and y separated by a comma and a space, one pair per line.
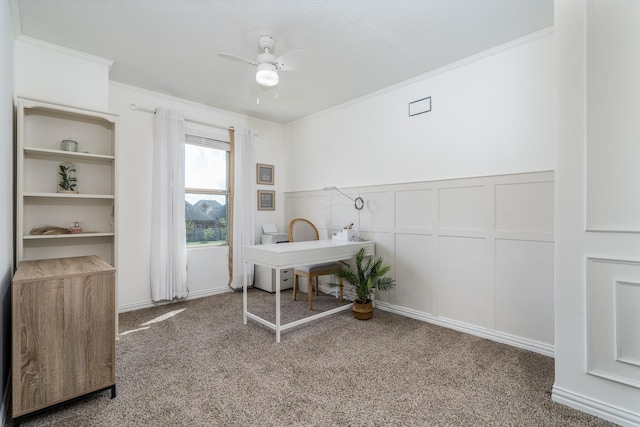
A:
134, 107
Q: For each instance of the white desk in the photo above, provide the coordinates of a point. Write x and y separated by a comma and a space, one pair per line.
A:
286, 255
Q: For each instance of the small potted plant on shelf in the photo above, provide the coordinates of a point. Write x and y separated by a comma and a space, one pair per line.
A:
68, 181
365, 277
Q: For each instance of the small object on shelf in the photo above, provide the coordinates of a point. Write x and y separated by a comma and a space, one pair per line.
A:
67, 179
75, 228
69, 145
49, 230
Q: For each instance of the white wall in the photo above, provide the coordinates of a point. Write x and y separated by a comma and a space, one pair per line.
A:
467, 251
474, 254
491, 114
6, 195
207, 267
598, 208
52, 73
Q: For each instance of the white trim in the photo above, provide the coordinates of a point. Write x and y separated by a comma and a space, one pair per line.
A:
611, 376
598, 344
64, 50
238, 119
618, 337
595, 407
192, 295
523, 343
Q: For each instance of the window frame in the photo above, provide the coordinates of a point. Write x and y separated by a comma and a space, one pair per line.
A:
199, 138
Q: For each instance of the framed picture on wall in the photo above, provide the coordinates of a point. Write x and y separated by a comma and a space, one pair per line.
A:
264, 174
266, 200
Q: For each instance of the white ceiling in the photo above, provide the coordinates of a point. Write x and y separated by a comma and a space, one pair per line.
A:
358, 46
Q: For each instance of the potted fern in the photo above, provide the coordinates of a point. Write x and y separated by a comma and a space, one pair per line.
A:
364, 278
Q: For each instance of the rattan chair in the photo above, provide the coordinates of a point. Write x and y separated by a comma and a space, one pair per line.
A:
301, 230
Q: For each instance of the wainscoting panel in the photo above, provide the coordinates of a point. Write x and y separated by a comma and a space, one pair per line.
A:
414, 210
474, 254
294, 207
463, 208
414, 260
378, 211
342, 211
318, 212
612, 320
524, 289
525, 207
628, 322
462, 275
613, 108
385, 244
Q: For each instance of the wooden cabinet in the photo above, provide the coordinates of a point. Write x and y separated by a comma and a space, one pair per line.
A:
63, 331
41, 128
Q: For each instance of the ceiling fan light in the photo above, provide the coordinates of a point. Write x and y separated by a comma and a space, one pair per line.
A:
267, 75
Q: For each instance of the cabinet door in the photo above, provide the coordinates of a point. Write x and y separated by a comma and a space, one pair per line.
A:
63, 339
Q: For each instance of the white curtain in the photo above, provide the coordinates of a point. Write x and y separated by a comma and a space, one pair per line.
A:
244, 205
168, 233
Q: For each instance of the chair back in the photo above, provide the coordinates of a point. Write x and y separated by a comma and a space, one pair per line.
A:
302, 230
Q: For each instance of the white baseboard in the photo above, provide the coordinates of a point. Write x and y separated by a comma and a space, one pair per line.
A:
526, 344
594, 407
192, 295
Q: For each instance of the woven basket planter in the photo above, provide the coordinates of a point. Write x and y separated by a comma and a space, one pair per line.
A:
362, 311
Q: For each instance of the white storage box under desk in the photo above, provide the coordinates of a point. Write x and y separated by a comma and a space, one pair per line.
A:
265, 278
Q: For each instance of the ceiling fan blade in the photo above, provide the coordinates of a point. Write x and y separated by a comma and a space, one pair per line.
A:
237, 58
294, 60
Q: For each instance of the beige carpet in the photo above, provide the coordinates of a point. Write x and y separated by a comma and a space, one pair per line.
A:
203, 367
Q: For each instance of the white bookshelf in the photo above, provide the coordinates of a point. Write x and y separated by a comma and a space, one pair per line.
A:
41, 126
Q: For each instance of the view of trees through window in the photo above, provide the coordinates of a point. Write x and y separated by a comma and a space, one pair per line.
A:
206, 191
206, 219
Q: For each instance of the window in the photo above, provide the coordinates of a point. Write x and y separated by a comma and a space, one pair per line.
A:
206, 190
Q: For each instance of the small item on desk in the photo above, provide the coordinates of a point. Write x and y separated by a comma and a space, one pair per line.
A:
75, 228
344, 234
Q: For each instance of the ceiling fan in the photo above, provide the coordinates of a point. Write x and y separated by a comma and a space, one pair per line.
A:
268, 64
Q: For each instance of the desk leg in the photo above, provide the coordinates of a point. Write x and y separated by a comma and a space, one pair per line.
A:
244, 292
277, 305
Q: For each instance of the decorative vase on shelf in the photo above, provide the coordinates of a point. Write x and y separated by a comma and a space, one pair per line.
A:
75, 228
69, 145
67, 179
